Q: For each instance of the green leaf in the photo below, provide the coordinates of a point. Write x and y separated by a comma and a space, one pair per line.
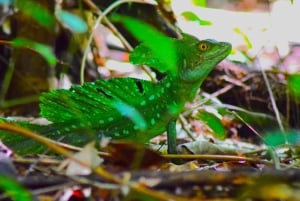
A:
73, 22
294, 85
37, 12
244, 36
276, 138
199, 3
214, 123
156, 50
14, 190
42, 49
193, 17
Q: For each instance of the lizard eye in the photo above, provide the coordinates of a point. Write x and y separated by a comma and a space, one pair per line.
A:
203, 46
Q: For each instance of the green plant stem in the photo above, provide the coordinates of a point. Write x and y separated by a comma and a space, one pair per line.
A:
18, 101
172, 136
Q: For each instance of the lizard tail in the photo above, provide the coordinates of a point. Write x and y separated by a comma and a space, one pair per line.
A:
23, 145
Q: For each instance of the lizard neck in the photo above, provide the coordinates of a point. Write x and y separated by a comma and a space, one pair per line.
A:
177, 93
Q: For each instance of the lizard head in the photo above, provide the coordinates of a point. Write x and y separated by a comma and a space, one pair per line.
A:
199, 57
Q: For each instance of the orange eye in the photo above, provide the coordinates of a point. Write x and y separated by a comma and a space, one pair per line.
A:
203, 46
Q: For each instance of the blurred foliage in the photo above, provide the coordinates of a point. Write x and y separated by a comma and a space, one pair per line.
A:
13, 189
190, 16
157, 50
43, 50
132, 113
244, 36
37, 12
294, 85
214, 123
276, 138
71, 21
202, 3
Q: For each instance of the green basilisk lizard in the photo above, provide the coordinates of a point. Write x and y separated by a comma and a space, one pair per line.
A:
128, 108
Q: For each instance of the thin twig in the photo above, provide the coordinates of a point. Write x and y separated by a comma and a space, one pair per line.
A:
184, 124
98, 21
273, 102
216, 158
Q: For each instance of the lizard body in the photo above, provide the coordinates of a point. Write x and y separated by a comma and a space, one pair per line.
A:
128, 108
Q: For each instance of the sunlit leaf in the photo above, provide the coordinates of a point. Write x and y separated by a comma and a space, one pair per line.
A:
199, 3
276, 138
190, 16
214, 123
294, 85
42, 49
244, 36
156, 50
73, 22
14, 190
37, 12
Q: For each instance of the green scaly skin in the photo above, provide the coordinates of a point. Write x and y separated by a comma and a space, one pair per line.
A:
127, 108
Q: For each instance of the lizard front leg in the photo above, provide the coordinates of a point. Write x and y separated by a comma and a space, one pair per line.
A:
172, 136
